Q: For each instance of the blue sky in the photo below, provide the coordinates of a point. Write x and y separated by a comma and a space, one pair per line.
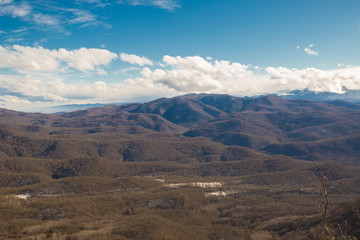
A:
90, 51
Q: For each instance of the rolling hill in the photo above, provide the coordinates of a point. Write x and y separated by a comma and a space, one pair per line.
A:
213, 166
195, 127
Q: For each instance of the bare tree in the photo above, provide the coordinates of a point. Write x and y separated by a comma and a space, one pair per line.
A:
322, 205
325, 188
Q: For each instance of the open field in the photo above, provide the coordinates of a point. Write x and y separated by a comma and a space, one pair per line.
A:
171, 207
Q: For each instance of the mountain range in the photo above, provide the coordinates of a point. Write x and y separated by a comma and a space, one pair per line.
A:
195, 128
349, 96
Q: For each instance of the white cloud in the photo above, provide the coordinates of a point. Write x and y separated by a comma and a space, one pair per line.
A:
27, 93
18, 10
13, 99
5, 1
195, 74
28, 14
96, 3
311, 52
136, 60
14, 40
314, 79
82, 16
41, 19
164, 4
85, 59
257, 68
175, 75
20, 30
39, 59
126, 71
50, 15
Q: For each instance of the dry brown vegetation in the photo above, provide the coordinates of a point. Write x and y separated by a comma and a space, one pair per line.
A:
139, 171
145, 208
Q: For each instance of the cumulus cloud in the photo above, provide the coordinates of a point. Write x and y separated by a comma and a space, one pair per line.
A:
39, 59
85, 59
136, 60
194, 74
175, 75
310, 51
315, 79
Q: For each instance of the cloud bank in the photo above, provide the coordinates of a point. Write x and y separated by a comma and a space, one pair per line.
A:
26, 86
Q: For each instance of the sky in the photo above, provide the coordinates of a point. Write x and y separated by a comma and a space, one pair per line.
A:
110, 51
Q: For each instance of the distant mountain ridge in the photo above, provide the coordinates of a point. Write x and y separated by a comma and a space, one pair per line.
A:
348, 95
74, 107
193, 128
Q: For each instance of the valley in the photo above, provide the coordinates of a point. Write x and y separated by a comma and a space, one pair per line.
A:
198, 166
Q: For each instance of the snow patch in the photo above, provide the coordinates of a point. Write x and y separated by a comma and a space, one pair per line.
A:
195, 184
20, 196
220, 193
